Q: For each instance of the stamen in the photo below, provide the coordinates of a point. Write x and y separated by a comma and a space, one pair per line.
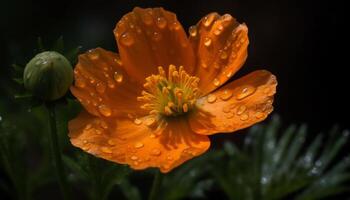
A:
170, 94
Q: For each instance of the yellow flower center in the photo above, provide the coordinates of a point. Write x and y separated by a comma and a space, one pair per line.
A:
170, 94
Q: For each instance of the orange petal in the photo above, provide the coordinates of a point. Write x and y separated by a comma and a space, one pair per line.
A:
148, 38
220, 44
137, 143
103, 87
237, 105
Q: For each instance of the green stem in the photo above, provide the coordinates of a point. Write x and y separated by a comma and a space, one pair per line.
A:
157, 182
56, 152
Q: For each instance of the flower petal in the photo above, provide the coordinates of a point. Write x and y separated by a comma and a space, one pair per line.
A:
103, 87
134, 143
237, 105
220, 44
148, 38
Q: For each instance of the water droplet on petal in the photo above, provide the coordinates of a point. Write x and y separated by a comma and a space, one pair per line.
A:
118, 77
246, 91
208, 20
106, 150
155, 152
152, 136
100, 87
156, 36
110, 84
111, 142
216, 82
147, 19
193, 31
134, 158
161, 22
93, 55
105, 110
207, 41
169, 158
127, 39
244, 117
138, 145
150, 121
175, 25
259, 115
219, 30
137, 121
227, 94
226, 109
241, 109
87, 127
211, 98
223, 55
85, 141
79, 82
229, 74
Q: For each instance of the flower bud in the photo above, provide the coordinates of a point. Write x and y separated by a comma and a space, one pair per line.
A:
48, 75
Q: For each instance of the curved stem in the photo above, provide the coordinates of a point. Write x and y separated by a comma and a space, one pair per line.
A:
56, 152
157, 182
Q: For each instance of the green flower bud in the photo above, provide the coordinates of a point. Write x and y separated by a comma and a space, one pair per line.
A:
48, 75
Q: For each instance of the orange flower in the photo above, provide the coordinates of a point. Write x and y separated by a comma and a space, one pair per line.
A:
155, 103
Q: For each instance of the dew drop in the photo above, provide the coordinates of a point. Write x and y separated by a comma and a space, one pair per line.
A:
138, 145
155, 152
211, 98
106, 150
226, 109
229, 74
147, 19
169, 158
105, 110
111, 142
157, 36
118, 77
137, 121
223, 55
134, 158
219, 30
100, 87
176, 25
152, 136
241, 109
207, 41
230, 115
193, 31
259, 115
85, 141
110, 84
127, 39
208, 20
216, 82
150, 121
93, 55
246, 91
161, 22
244, 117
79, 82
87, 127
103, 124
227, 94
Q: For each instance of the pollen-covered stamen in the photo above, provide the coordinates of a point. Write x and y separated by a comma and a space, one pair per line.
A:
170, 94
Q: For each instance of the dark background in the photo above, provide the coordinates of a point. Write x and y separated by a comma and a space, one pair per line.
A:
301, 42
